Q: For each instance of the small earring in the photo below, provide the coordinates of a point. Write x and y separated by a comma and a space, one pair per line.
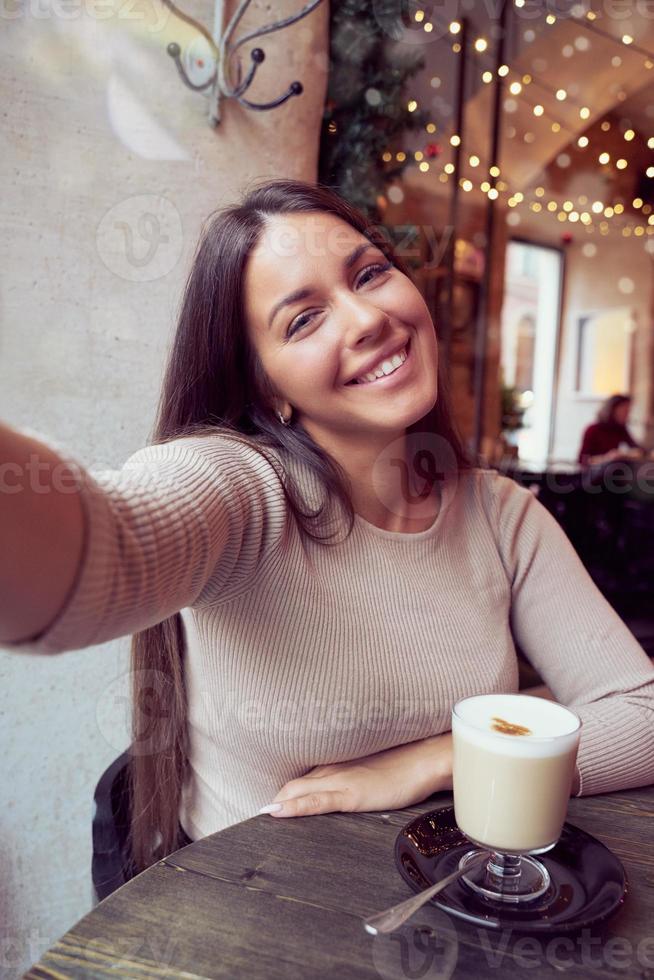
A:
282, 419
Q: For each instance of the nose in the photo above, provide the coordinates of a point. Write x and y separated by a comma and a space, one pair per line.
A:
362, 319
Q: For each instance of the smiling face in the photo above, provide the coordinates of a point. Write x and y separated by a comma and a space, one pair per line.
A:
324, 308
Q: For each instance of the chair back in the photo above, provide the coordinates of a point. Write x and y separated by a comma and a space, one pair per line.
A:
112, 865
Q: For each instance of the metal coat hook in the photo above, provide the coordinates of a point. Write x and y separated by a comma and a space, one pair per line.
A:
219, 50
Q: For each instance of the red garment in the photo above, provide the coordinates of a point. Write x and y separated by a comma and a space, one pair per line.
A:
602, 437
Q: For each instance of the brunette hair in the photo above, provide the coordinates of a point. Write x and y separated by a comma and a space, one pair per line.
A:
607, 409
214, 383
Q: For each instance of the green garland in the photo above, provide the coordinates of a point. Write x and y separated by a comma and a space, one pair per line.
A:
366, 108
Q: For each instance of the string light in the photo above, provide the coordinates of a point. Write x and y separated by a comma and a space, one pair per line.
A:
515, 88
487, 77
597, 207
455, 140
424, 166
466, 185
561, 94
503, 71
449, 168
428, 28
412, 105
650, 172
550, 19
556, 127
584, 112
568, 206
637, 202
456, 47
582, 142
552, 206
481, 44
401, 156
650, 143
604, 158
627, 39
621, 164
418, 155
419, 16
387, 157
540, 192
618, 208
526, 79
485, 186
431, 127
494, 171
629, 135
493, 193
538, 110
474, 161
455, 27
606, 125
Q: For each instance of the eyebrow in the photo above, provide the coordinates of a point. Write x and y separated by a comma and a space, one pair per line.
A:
306, 291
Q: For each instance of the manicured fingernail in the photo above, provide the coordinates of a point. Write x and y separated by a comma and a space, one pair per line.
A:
271, 808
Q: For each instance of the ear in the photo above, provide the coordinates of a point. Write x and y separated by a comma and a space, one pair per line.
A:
284, 407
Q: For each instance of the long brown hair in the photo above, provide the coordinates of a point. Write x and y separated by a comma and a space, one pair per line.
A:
214, 382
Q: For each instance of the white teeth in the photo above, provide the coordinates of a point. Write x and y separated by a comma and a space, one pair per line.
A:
386, 367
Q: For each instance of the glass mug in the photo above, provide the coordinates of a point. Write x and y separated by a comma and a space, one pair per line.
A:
513, 765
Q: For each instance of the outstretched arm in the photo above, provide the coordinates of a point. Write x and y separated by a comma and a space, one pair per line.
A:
182, 523
41, 534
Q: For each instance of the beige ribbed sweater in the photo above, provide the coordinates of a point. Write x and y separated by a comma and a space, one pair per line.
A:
305, 655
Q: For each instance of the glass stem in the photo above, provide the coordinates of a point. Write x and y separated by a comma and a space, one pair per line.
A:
504, 866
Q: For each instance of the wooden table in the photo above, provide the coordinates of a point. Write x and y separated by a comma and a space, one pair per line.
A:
272, 898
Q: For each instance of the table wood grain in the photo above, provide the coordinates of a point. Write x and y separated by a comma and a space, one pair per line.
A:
285, 898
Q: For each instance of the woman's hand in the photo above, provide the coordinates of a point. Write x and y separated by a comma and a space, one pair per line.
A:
388, 780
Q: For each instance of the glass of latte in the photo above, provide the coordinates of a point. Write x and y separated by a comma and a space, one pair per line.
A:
513, 765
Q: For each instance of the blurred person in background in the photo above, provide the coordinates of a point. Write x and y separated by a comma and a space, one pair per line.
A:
609, 438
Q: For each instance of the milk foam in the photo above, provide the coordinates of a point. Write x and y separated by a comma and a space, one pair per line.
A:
554, 729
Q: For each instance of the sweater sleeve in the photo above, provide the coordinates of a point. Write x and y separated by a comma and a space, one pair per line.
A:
183, 523
577, 643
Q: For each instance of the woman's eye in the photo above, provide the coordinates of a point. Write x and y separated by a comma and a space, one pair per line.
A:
376, 269
373, 270
299, 322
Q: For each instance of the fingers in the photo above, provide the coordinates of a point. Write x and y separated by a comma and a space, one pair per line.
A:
309, 804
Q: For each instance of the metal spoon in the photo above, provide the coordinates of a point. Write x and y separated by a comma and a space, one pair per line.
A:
397, 915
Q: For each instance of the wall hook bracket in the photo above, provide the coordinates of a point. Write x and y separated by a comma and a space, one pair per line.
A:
209, 62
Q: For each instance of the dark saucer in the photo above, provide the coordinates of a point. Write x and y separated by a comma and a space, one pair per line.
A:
588, 882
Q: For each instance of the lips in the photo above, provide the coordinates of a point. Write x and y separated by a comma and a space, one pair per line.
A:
389, 380
378, 361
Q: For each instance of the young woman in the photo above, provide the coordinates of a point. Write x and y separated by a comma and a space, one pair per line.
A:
313, 571
609, 438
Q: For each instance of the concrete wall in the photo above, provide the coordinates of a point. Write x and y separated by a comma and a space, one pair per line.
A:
108, 168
